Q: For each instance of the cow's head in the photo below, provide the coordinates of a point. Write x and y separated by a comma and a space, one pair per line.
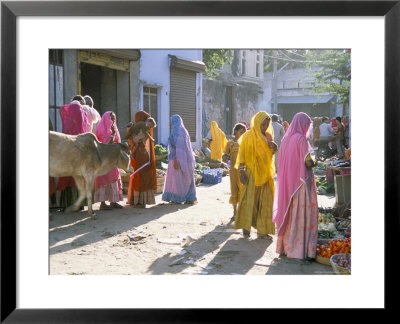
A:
124, 160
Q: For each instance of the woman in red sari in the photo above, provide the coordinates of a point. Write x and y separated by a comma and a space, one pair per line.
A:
143, 180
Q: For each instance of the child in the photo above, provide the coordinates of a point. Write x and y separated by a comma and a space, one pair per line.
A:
231, 152
139, 131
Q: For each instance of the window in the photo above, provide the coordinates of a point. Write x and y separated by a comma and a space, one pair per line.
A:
56, 85
150, 105
258, 70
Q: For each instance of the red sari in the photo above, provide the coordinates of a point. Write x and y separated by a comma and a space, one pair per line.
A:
143, 182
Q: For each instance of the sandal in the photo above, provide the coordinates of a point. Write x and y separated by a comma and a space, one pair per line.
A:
264, 236
105, 207
191, 202
246, 234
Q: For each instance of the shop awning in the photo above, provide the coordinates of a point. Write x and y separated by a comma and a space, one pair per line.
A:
182, 63
304, 99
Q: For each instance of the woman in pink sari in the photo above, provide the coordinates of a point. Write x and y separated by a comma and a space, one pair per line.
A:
179, 182
74, 122
108, 186
295, 209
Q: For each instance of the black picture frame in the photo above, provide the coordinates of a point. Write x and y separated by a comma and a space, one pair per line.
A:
10, 10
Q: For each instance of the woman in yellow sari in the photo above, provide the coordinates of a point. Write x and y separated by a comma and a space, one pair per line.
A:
255, 162
218, 141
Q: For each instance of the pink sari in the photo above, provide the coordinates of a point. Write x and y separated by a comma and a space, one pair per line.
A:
103, 134
295, 209
74, 122
74, 119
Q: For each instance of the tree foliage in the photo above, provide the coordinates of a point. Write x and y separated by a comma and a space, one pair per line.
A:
330, 69
215, 59
332, 74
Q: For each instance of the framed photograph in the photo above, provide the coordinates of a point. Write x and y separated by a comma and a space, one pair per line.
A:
33, 30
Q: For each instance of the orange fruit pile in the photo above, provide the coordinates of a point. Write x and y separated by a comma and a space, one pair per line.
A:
334, 247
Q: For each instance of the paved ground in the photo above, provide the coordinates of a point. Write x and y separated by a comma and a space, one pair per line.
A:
79, 245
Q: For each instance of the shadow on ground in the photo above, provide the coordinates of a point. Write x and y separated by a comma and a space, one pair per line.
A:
206, 256
63, 226
280, 266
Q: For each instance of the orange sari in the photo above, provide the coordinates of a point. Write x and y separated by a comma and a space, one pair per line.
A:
145, 179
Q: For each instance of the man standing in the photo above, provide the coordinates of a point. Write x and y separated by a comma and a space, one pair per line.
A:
326, 132
93, 115
339, 137
278, 135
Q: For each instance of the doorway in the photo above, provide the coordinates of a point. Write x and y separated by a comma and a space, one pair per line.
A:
109, 89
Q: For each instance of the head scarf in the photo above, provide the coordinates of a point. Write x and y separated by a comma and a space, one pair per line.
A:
74, 119
218, 142
291, 165
254, 152
180, 141
103, 131
245, 124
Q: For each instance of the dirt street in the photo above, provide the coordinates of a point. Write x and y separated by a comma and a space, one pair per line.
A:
152, 240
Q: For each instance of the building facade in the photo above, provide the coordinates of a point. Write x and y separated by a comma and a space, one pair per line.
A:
171, 83
294, 95
161, 82
236, 94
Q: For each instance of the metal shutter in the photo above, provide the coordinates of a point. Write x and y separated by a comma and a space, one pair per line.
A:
183, 98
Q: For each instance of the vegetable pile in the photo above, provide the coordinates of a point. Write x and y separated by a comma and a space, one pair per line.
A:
321, 166
343, 261
160, 150
327, 226
334, 247
326, 186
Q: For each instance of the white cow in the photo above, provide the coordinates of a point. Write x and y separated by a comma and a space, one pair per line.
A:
84, 158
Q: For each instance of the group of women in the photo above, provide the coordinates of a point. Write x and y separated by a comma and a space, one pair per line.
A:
78, 117
288, 205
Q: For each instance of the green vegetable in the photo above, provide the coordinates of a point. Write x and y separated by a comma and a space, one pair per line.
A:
159, 150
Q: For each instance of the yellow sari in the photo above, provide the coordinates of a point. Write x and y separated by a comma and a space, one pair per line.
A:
256, 200
218, 142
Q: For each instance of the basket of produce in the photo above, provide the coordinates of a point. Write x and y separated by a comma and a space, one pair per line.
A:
325, 251
322, 260
160, 152
161, 157
341, 263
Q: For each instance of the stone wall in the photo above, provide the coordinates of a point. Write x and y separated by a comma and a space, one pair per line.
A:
245, 103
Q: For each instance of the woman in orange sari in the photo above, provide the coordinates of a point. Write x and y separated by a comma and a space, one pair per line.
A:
143, 180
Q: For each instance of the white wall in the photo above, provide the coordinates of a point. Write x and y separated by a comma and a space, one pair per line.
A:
154, 69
